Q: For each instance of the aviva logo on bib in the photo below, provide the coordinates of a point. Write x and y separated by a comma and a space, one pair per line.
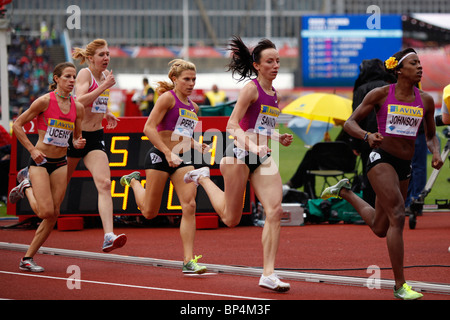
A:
188, 114
406, 110
60, 124
270, 111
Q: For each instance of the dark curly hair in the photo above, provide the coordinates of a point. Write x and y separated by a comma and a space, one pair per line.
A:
398, 56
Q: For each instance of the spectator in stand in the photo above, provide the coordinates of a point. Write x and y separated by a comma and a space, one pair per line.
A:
215, 96
147, 99
28, 67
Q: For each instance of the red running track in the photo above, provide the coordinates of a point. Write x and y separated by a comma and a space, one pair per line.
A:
340, 246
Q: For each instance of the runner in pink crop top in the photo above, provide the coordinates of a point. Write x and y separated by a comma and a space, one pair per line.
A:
261, 116
58, 126
100, 105
400, 119
181, 119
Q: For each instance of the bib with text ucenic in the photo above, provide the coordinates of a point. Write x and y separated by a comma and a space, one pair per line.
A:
58, 132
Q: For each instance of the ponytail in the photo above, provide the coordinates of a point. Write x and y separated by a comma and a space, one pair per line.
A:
58, 71
177, 66
83, 54
242, 58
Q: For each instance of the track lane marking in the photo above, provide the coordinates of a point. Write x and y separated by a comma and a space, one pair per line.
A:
133, 286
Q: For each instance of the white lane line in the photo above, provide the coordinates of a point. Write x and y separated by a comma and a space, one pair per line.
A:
133, 286
439, 288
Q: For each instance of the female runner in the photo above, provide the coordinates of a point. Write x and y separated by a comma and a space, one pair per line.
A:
58, 114
92, 90
251, 123
400, 108
170, 128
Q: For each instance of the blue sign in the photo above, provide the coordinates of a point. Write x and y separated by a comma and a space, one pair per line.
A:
333, 47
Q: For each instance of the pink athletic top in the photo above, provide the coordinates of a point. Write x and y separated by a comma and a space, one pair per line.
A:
400, 119
181, 119
261, 116
56, 124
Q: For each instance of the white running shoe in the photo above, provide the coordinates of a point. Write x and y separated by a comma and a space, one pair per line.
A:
272, 282
112, 242
18, 192
194, 175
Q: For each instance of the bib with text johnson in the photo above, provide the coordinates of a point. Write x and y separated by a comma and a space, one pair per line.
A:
403, 120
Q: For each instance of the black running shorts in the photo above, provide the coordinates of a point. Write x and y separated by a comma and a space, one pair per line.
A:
402, 167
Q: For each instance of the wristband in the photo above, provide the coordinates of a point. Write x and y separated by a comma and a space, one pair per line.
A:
366, 136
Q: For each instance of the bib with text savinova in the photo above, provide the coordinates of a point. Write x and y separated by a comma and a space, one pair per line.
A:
403, 120
100, 104
187, 120
58, 132
267, 119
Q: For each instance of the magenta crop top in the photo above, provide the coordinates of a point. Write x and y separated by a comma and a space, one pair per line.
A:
181, 119
261, 116
57, 125
400, 119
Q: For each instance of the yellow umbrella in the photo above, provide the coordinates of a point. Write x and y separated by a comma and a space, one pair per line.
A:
325, 107
446, 96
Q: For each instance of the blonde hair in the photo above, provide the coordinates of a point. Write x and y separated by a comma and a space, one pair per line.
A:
177, 66
89, 51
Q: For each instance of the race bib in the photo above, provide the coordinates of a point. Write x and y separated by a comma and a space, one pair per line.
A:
187, 120
267, 120
100, 104
403, 120
58, 132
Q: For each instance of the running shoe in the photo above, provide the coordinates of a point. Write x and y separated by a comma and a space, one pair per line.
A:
22, 175
30, 265
112, 242
18, 192
333, 191
406, 293
193, 267
272, 282
126, 180
194, 175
